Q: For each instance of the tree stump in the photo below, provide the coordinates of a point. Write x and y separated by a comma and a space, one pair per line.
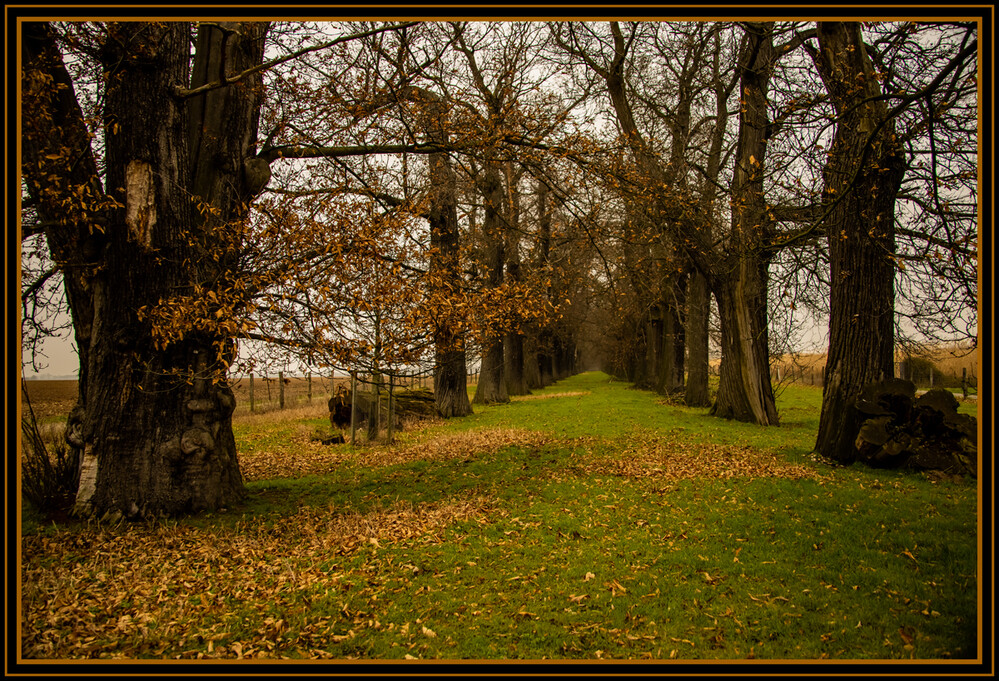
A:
339, 406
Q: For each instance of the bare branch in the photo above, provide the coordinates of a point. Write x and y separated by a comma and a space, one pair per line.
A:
225, 81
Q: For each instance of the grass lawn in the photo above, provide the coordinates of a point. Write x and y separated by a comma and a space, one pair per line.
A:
589, 520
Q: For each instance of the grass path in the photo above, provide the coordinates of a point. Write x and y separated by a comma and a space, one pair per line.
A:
588, 521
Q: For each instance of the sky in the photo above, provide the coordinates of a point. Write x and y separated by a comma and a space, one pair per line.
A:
60, 361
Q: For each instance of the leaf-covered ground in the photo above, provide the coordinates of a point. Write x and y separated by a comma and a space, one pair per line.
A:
593, 524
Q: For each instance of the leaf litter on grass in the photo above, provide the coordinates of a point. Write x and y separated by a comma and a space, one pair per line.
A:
640, 455
313, 458
148, 590
652, 455
173, 590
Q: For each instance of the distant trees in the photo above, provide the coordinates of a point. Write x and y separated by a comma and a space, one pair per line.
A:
769, 170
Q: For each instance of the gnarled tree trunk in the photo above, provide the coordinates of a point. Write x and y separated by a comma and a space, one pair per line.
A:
156, 425
745, 392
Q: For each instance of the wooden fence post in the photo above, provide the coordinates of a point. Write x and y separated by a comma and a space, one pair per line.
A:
251, 391
308, 377
280, 390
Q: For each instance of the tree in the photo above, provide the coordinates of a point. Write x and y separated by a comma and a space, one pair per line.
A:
154, 418
862, 180
737, 271
150, 257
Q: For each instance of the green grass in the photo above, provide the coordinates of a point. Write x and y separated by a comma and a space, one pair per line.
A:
561, 556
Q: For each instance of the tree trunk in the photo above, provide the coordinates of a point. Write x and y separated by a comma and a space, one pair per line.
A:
375, 414
156, 429
652, 339
698, 291
565, 357
451, 383
745, 391
514, 358
450, 366
492, 374
544, 335
669, 372
532, 364
862, 178
57, 161
698, 307
513, 343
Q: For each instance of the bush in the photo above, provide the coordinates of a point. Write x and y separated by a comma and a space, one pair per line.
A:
49, 479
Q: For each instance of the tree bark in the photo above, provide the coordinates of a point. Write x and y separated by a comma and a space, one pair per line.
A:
513, 343
532, 365
492, 373
450, 367
670, 369
745, 392
544, 337
862, 178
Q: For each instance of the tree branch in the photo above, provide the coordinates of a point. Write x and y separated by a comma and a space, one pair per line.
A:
225, 81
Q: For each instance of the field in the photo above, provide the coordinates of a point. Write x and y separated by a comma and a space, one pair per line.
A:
587, 521
52, 400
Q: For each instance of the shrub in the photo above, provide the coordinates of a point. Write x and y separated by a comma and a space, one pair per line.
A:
50, 472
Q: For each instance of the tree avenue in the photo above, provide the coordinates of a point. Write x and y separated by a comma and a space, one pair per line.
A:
536, 198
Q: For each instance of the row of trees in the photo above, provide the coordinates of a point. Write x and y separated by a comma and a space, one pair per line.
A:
384, 195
